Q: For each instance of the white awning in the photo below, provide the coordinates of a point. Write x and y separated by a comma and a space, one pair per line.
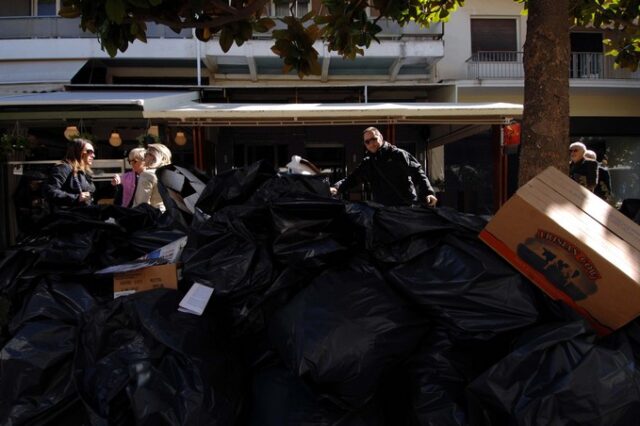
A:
201, 114
89, 104
25, 72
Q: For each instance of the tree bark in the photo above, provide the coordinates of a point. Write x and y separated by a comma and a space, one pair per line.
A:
545, 120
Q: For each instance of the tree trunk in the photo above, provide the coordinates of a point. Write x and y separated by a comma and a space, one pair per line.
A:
545, 120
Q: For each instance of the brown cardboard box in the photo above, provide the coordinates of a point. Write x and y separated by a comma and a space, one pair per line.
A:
572, 245
148, 278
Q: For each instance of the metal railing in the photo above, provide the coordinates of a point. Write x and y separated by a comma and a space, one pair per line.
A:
26, 27
508, 65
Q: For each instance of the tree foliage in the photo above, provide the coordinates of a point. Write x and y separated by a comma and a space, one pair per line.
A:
344, 24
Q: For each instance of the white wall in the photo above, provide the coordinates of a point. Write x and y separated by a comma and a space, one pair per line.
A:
457, 33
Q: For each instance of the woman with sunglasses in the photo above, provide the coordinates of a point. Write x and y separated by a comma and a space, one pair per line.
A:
69, 183
127, 183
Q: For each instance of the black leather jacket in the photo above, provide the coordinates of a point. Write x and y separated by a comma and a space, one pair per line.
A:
62, 188
394, 176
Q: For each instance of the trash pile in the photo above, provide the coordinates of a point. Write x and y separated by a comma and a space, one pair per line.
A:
323, 312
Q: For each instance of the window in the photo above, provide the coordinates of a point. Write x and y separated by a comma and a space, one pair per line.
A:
285, 7
494, 39
46, 7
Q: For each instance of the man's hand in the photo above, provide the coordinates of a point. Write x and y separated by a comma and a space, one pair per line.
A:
333, 191
431, 200
115, 180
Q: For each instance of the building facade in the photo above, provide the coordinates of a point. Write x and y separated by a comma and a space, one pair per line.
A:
474, 58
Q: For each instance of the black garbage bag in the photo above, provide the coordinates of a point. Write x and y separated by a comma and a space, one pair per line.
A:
234, 186
342, 332
182, 186
310, 229
233, 256
36, 363
558, 374
278, 398
468, 289
140, 361
291, 187
399, 234
438, 376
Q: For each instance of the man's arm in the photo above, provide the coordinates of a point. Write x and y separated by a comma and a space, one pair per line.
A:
357, 176
418, 176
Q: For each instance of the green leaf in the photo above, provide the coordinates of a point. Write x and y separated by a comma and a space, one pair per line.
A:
115, 10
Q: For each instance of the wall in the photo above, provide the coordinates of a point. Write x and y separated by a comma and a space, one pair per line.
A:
457, 34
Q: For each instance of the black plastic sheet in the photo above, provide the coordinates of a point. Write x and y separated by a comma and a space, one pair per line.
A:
36, 363
558, 374
344, 330
323, 312
141, 361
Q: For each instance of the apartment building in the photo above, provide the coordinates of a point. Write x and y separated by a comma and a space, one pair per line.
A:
441, 92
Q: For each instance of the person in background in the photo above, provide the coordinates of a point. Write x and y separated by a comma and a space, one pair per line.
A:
393, 173
603, 183
127, 183
69, 183
157, 155
582, 170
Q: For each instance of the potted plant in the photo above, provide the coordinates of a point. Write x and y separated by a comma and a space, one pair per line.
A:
12, 144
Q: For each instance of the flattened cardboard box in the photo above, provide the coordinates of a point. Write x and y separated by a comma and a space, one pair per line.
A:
572, 245
145, 273
158, 276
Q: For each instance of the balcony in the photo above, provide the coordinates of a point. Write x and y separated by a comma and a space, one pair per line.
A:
508, 65
15, 28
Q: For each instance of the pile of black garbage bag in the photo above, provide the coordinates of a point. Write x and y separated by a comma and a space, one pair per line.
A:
324, 312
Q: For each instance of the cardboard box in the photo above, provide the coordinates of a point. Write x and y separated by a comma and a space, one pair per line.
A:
148, 278
572, 245
157, 269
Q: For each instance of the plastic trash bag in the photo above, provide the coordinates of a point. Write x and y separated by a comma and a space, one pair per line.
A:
279, 398
141, 361
467, 289
558, 374
342, 332
36, 363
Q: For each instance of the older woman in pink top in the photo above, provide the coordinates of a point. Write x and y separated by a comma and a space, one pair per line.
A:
128, 182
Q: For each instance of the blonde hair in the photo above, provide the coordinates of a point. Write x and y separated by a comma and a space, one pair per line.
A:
137, 154
160, 153
590, 155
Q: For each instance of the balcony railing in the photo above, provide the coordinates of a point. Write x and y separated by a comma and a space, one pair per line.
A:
508, 65
54, 27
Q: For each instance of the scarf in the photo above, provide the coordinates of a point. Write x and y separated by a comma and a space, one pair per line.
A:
128, 187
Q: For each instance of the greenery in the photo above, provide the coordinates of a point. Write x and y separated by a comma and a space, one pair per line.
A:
147, 138
350, 26
344, 24
10, 143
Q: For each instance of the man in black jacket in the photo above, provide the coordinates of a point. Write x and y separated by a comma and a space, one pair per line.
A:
396, 177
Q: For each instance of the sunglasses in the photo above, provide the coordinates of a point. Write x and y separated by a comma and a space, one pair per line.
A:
133, 161
574, 150
89, 152
370, 140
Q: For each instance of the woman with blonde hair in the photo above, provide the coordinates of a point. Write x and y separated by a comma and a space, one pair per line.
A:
127, 183
157, 155
69, 183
